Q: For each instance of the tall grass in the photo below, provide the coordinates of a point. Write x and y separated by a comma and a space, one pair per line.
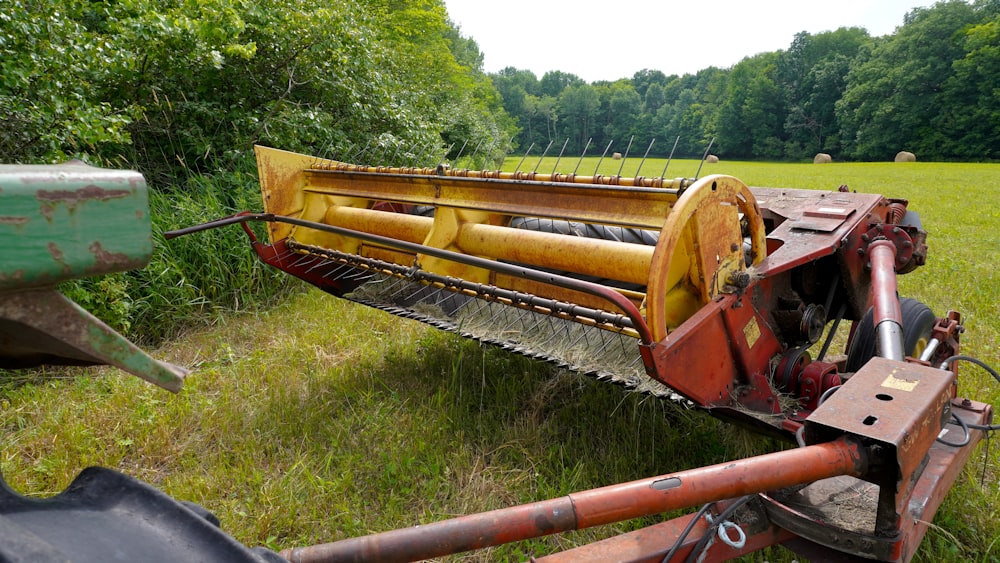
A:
319, 419
192, 280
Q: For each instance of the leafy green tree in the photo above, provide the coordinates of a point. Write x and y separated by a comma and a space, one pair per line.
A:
645, 78
751, 118
655, 97
578, 113
812, 76
970, 116
623, 113
893, 93
51, 65
555, 81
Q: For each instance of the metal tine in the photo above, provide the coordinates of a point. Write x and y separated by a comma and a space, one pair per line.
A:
703, 157
506, 151
394, 153
303, 260
423, 155
460, 151
335, 273
322, 262
599, 162
323, 152
583, 154
624, 158
345, 155
445, 155
561, 151
472, 159
489, 152
544, 152
531, 146
643, 161
386, 148
670, 157
401, 286
381, 156
357, 158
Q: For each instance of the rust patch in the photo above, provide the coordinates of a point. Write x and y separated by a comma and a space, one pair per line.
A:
84, 193
16, 276
10, 220
72, 198
112, 259
57, 254
59, 257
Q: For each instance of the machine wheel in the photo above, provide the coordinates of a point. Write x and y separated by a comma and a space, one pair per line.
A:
918, 322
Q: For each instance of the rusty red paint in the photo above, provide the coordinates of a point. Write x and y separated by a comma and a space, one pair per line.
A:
596, 507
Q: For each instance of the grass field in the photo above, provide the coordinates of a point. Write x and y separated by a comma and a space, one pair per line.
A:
321, 419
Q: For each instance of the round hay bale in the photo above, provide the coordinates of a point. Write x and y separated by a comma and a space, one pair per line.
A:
904, 156
822, 158
711, 159
616, 156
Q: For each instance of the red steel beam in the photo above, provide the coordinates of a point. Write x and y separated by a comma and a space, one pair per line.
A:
595, 507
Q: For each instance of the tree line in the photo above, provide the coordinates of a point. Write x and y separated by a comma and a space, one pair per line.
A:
173, 87
180, 90
932, 88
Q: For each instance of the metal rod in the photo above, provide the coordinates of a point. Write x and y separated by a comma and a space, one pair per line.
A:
643, 161
584, 153
489, 153
445, 156
518, 168
544, 152
395, 153
357, 157
932, 347
596, 507
346, 155
670, 156
624, 158
561, 151
888, 316
703, 157
506, 150
460, 151
599, 162
472, 159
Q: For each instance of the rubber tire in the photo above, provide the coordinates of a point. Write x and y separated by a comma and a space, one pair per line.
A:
918, 322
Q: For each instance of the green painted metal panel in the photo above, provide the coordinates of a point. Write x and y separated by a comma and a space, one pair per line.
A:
70, 221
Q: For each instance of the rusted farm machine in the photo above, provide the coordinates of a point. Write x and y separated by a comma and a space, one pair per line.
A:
703, 291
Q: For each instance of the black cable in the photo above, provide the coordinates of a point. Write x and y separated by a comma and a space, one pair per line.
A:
991, 371
684, 534
977, 361
965, 440
716, 522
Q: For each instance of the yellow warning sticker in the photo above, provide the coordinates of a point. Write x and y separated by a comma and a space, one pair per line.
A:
751, 331
893, 382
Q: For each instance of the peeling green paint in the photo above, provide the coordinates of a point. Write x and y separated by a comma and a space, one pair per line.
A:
69, 221
64, 222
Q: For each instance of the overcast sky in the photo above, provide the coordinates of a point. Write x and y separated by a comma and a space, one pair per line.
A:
612, 39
